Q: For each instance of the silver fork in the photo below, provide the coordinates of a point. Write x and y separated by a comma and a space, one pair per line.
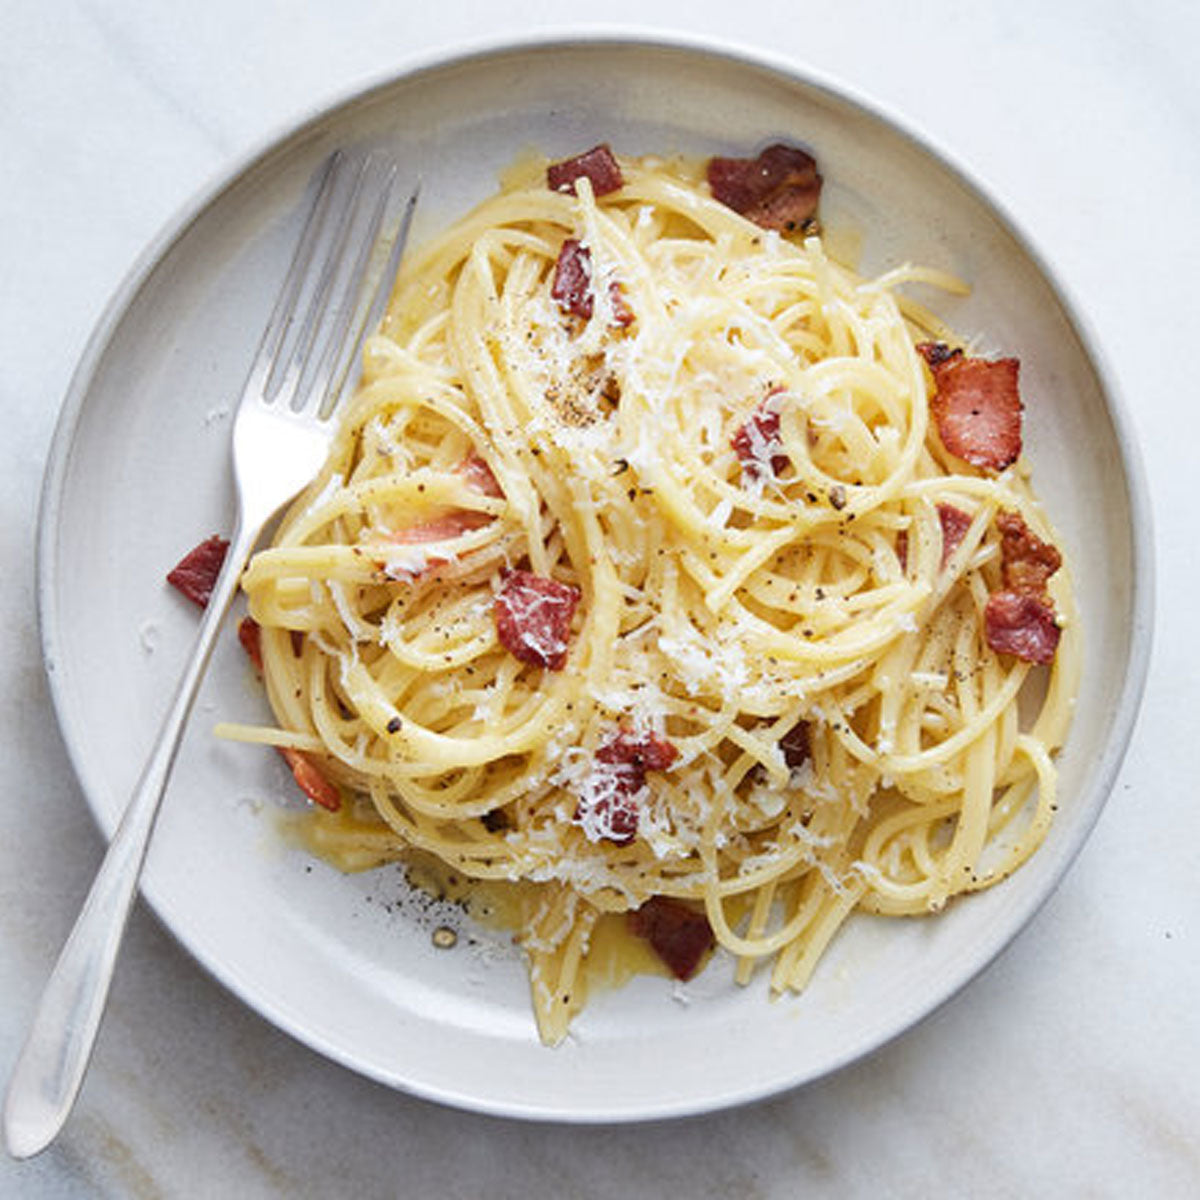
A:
281, 435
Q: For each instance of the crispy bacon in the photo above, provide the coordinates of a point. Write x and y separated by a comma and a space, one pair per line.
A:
250, 635
195, 575
779, 189
447, 525
571, 288
622, 314
608, 807
312, 781
533, 617
643, 752
679, 934
796, 745
1021, 624
757, 443
1020, 618
977, 407
443, 528
310, 778
572, 285
440, 529
955, 524
479, 475
597, 164
936, 353
1026, 562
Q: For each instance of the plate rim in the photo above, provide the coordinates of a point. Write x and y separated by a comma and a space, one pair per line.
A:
293, 131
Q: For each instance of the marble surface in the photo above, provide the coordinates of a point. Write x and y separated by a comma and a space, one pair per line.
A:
1071, 1067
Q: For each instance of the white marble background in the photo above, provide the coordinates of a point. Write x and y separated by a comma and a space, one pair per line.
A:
1071, 1067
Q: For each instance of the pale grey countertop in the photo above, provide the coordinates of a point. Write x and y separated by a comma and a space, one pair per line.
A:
1071, 1067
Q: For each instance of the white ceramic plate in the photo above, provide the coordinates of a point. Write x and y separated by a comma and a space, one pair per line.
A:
139, 473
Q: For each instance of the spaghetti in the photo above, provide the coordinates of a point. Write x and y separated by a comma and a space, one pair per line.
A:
640, 577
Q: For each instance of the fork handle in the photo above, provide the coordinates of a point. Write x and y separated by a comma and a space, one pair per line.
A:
52, 1063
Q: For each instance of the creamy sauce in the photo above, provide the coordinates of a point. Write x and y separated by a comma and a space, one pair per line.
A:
615, 954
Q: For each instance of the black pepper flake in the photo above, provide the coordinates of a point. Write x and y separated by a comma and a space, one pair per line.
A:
837, 496
621, 466
393, 726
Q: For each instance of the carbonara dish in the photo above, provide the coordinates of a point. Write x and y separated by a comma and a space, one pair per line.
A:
674, 575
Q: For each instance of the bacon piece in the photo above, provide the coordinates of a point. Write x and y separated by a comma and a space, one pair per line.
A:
597, 164
779, 189
1020, 618
1026, 562
679, 934
955, 524
936, 353
479, 475
757, 442
459, 520
446, 525
643, 752
572, 289
250, 635
622, 314
408, 568
977, 407
441, 529
533, 617
572, 286
608, 807
312, 781
195, 575
1021, 624
796, 745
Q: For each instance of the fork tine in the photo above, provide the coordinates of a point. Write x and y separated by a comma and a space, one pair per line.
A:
337, 334
339, 372
383, 288
283, 314
285, 380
